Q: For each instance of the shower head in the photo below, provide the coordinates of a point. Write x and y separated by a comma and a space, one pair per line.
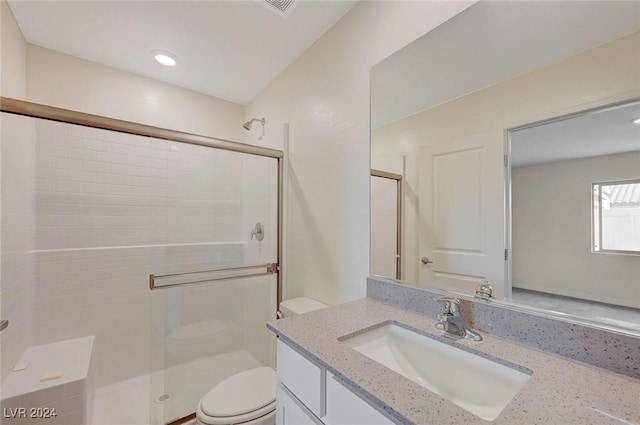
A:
247, 125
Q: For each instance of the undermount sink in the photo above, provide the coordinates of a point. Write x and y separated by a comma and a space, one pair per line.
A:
477, 384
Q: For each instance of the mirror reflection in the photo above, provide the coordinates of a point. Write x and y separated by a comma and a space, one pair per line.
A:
443, 110
575, 215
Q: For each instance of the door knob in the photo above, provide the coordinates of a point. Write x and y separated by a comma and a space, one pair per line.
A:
426, 261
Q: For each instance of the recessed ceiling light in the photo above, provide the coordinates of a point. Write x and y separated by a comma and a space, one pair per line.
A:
164, 58
636, 121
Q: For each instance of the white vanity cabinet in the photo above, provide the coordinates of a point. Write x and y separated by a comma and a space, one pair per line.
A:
310, 395
290, 411
302, 378
346, 408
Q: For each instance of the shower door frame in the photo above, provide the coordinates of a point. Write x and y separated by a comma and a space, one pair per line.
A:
52, 113
398, 178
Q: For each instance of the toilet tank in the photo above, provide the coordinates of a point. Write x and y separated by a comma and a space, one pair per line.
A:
300, 305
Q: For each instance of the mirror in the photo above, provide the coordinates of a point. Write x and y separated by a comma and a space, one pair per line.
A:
443, 111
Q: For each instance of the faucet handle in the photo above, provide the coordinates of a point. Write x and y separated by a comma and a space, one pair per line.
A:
451, 305
484, 290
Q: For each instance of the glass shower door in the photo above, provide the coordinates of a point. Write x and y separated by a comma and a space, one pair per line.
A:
214, 282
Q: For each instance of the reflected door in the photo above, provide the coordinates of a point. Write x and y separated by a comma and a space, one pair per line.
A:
461, 236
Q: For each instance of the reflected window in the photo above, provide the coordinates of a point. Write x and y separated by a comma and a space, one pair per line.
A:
616, 217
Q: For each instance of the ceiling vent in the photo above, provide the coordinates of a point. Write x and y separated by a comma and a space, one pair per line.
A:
282, 7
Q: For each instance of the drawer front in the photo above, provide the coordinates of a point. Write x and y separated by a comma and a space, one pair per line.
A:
290, 411
346, 408
302, 377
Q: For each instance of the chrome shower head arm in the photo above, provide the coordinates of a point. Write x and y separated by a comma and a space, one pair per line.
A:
247, 125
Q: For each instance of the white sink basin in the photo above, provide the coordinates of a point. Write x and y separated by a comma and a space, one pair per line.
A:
479, 385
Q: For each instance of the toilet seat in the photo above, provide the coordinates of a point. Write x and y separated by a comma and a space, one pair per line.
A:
240, 398
236, 420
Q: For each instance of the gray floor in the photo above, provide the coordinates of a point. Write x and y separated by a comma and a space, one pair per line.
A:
623, 317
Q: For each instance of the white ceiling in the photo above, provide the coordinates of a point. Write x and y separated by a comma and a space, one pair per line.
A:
604, 132
490, 42
227, 49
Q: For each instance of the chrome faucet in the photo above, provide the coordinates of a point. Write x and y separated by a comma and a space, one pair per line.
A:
451, 322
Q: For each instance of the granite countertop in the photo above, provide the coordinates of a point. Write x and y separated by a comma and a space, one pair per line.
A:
559, 392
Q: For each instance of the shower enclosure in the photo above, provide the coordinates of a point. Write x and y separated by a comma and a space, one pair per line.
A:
163, 245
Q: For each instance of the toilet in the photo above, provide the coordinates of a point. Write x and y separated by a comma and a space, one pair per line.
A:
249, 397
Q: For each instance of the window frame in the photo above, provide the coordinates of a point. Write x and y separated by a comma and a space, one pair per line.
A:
596, 218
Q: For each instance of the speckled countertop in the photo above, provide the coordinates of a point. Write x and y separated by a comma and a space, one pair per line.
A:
559, 392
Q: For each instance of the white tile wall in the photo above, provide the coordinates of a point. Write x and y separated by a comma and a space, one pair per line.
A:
110, 209
15, 228
98, 188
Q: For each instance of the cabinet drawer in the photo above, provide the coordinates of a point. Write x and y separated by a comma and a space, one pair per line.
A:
344, 407
289, 411
303, 378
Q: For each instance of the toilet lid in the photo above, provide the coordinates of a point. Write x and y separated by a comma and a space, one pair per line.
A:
241, 393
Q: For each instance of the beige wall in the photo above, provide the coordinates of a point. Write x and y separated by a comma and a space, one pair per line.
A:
596, 77
12, 55
552, 231
324, 96
44, 76
68, 82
